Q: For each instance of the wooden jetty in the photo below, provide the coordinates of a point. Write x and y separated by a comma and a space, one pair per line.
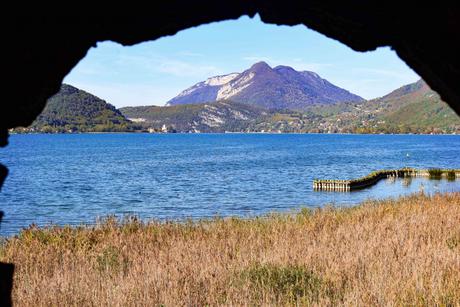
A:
374, 177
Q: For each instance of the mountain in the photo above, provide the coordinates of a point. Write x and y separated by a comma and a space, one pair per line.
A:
72, 109
278, 88
413, 108
419, 87
217, 116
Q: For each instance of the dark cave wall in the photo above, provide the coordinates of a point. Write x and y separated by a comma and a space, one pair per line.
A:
39, 48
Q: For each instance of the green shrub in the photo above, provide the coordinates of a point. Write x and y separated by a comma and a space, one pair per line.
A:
435, 173
111, 261
294, 283
451, 175
453, 242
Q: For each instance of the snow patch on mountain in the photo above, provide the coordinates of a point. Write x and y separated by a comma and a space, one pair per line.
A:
220, 80
232, 88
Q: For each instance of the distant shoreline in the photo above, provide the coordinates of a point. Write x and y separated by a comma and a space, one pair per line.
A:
267, 133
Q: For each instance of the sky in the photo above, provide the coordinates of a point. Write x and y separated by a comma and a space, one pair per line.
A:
153, 72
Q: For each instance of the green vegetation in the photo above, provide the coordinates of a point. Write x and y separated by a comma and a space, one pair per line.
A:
451, 175
414, 108
435, 173
218, 116
453, 242
74, 110
110, 260
291, 283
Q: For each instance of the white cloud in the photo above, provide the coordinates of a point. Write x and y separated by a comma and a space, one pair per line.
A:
144, 78
190, 54
407, 75
369, 87
371, 83
122, 95
257, 59
186, 69
168, 65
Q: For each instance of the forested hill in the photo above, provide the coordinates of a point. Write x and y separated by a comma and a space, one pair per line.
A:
217, 116
74, 110
411, 108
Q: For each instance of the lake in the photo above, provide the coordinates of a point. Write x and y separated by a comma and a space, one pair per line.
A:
74, 178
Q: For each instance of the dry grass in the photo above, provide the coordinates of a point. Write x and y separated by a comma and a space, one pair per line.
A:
395, 252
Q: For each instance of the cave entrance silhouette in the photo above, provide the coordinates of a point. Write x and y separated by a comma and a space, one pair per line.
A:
40, 49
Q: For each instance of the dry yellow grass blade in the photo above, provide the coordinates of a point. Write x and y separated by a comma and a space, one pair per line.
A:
392, 252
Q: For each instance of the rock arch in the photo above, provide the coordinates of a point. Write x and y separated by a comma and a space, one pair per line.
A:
38, 50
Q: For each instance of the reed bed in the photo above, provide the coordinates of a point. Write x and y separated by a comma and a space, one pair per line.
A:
390, 252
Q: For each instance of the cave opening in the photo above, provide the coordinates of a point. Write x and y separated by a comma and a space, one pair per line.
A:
44, 54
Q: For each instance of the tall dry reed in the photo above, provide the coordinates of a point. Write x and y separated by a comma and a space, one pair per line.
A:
392, 252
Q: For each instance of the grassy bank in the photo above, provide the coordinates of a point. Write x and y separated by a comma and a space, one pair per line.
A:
403, 252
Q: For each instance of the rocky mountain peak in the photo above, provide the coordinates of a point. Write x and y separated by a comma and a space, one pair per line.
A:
260, 66
281, 87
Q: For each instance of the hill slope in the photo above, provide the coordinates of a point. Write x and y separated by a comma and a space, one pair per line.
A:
205, 117
276, 88
72, 109
413, 108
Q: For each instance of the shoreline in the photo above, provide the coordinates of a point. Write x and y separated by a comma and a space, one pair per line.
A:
190, 220
219, 133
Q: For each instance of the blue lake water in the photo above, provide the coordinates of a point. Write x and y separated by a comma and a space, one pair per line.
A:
74, 178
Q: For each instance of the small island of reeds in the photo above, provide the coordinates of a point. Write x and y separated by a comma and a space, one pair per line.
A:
376, 176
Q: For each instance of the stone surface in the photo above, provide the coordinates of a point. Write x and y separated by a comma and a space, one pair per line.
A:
6, 283
6, 280
3, 174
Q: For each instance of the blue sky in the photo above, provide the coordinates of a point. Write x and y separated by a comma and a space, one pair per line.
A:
151, 73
